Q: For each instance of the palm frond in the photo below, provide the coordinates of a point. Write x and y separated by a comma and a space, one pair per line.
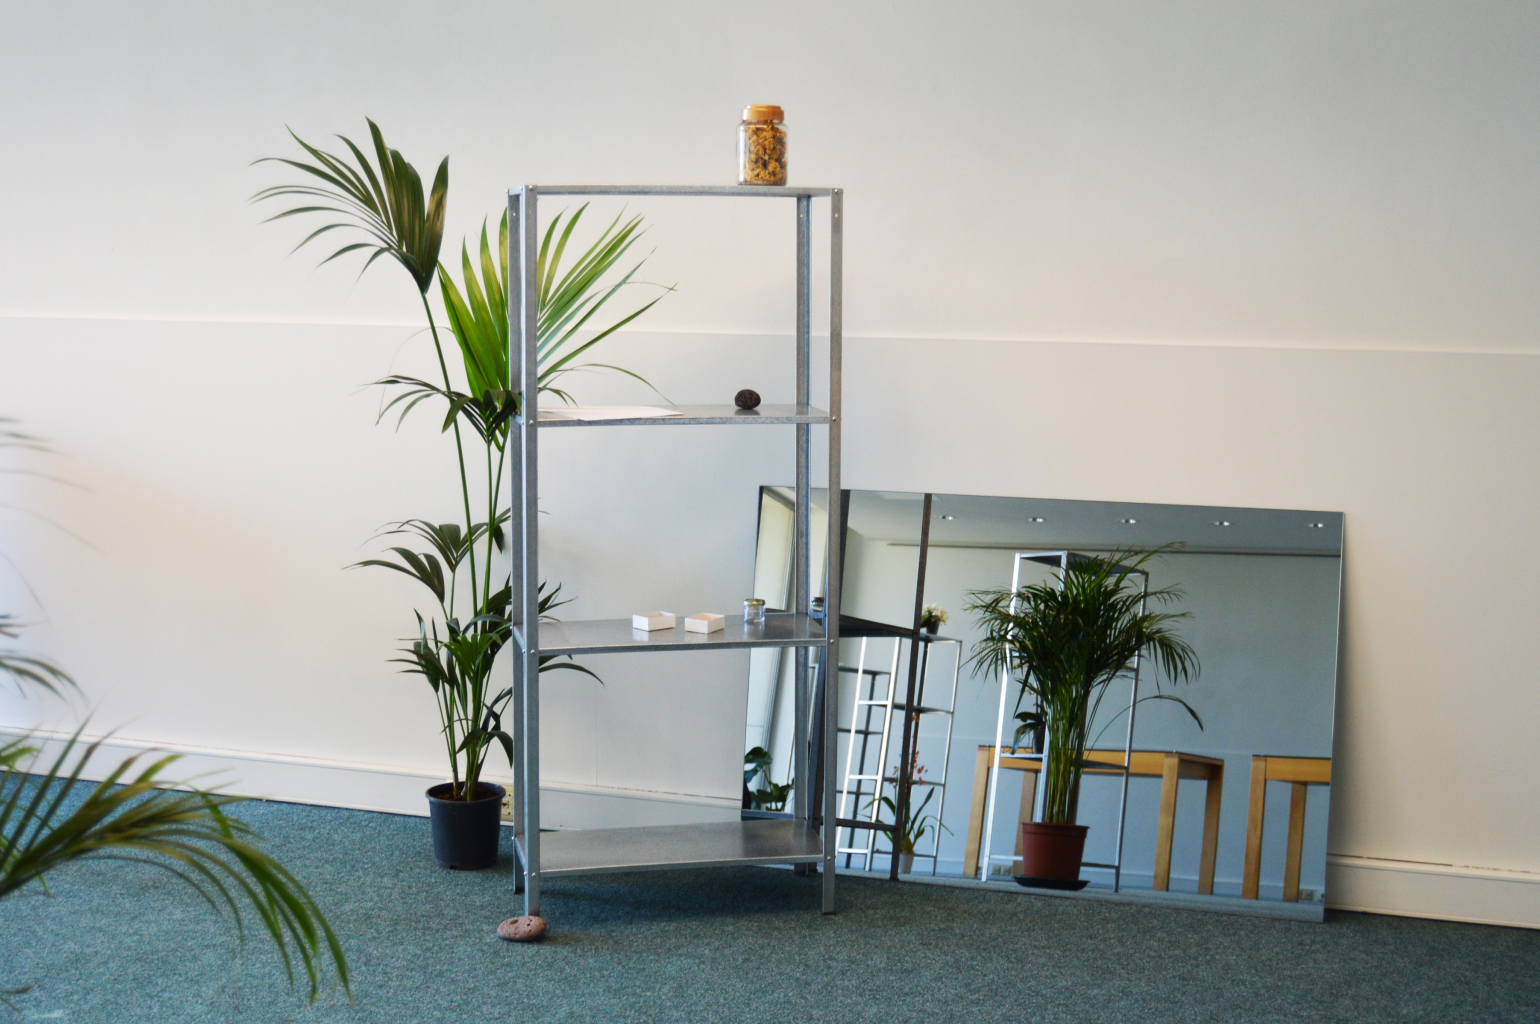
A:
384, 201
1066, 641
568, 298
54, 819
26, 668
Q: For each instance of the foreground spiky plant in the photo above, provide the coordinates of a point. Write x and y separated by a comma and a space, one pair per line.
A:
50, 816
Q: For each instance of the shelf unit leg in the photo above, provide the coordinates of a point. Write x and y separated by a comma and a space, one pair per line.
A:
528, 543
802, 601
836, 527
515, 485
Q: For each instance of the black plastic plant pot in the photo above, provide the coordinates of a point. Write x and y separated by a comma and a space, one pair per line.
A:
465, 832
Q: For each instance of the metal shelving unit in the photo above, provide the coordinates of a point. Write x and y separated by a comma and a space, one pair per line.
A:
802, 839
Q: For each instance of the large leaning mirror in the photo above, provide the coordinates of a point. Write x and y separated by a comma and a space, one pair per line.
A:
1218, 798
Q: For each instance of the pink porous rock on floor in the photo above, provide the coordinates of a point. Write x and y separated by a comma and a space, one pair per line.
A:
522, 929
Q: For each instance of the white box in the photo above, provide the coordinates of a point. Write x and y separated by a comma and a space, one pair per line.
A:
653, 620
704, 622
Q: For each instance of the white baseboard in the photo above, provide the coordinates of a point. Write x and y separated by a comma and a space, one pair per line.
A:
387, 788
1442, 891
1407, 888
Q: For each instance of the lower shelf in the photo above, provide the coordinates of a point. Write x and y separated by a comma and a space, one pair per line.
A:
657, 847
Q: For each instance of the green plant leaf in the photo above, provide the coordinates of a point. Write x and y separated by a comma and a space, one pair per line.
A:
132, 815
1067, 640
384, 201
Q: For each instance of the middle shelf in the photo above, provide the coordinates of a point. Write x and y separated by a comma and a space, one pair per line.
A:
604, 636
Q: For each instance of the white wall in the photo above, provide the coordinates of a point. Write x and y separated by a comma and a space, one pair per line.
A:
1302, 237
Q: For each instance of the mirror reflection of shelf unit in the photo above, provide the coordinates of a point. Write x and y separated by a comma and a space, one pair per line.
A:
856, 772
801, 840
1060, 560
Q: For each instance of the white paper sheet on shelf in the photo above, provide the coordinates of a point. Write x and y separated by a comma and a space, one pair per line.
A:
610, 412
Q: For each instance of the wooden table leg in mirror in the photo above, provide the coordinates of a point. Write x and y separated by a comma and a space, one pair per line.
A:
1303, 772
1214, 792
1296, 843
972, 859
1174, 767
971, 866
1166, 829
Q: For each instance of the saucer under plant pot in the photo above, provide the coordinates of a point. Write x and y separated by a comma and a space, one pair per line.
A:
1051, 855
465, 832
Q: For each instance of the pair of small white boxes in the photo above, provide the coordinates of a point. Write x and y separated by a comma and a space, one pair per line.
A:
704, 622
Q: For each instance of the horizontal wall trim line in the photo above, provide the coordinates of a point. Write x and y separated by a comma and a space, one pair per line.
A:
1430, 868
849, 336
190, 749
124, 746
1478, 895
1442, 892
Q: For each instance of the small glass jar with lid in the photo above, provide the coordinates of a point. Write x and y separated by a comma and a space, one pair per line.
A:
754, 611
762, 146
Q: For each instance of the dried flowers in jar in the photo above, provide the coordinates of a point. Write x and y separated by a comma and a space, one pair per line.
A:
762, 146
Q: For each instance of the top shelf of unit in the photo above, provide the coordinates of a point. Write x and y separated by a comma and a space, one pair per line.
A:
699, 414
762, 191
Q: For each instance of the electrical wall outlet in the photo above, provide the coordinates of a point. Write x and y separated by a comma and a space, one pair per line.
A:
508, 805
1001, 870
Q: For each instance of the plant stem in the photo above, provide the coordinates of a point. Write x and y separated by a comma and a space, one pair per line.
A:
465, 490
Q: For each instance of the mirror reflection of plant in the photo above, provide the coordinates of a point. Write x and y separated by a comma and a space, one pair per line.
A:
771, 796
1066, 641
385, 201
916, 824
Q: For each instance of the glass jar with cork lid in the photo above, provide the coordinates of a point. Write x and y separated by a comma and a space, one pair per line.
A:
762, 146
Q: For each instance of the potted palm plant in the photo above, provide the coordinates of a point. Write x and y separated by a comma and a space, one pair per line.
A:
458, 642
1065, 641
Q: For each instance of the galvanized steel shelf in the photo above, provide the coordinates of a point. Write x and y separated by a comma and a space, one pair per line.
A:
615, 636
708, 415
757, 191
799, 840
658, 847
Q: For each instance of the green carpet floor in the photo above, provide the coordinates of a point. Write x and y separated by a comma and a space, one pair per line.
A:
122, 944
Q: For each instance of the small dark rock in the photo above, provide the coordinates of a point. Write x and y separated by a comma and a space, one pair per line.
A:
522, 929
747, 399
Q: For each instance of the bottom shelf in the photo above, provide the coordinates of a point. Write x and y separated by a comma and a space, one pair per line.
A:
657, 847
